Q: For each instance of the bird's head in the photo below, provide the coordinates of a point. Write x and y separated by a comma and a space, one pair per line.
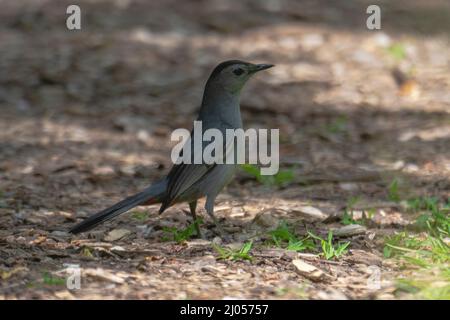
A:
233, 74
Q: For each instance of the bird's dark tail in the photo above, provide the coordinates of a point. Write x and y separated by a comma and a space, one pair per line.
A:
150, 195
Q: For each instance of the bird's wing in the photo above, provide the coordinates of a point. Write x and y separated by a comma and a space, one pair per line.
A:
182, 176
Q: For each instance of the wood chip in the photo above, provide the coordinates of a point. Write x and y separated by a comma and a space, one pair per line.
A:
349, 230
309, 271
116, 234
310, 213
104, 275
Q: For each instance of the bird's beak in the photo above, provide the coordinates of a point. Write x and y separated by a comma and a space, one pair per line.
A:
260, 67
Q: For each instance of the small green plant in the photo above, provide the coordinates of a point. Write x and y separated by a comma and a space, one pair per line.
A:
414, 205
347, 218
232, 254
432, 288
393, 191
338, 125
370, 213
284, 237
181, 235
352, 202
329, 249
430, 259
434, 216
396, 243
427, 251
48, 279
298, 292
139, 215
397, 51
422, 250
281, 179
423, 203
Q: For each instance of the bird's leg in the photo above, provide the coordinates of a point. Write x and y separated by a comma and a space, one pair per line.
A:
193, 207
210, 210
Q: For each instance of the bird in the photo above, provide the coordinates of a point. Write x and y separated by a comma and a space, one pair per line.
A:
188, 182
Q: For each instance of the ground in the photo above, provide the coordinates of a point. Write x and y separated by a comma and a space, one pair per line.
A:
364, 123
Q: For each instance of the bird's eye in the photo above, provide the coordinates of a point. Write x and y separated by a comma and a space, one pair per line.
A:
238, 71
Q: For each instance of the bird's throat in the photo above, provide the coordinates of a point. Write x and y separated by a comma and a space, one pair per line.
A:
219, 105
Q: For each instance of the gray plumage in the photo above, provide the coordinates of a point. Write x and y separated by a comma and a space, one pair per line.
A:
220, 109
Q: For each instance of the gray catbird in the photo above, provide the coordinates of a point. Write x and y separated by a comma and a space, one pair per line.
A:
220, 109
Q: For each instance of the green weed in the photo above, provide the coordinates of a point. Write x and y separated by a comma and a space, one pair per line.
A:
139, 215
181, 235
329, 249
48, 279
226, 253
281, 179
393, 191
397, 51
426, 250
284, 237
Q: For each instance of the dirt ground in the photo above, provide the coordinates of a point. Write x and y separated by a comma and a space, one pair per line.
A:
86, 118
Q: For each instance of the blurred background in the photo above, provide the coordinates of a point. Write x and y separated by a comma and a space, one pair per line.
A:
86, 115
